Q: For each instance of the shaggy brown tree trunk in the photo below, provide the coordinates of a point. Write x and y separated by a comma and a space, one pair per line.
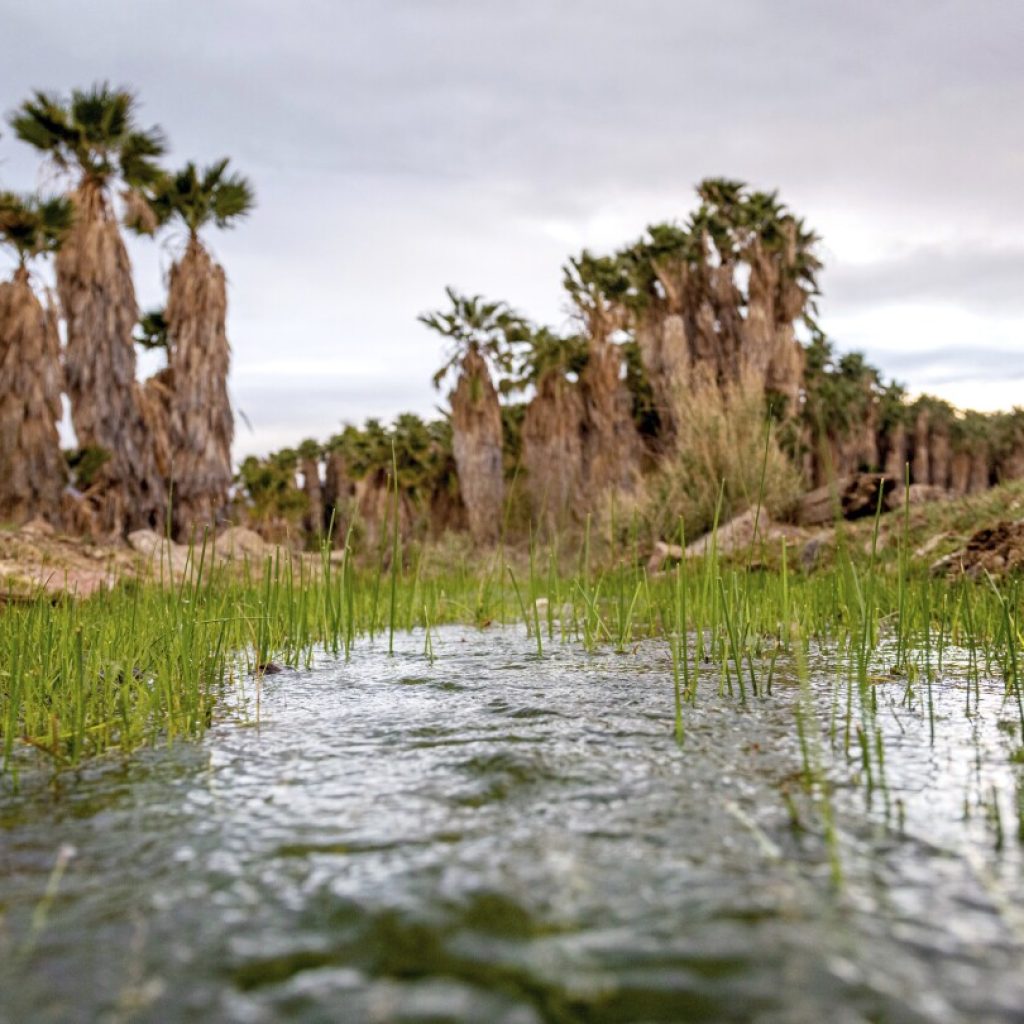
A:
32, 468
374, 503
313, 520
939, 455
611, 444
94, 281
960, 472
337, 498
665, 353
553, 451
760, 324
202, 424
158, 406
895, 462
920, 464
476, 444
981, 471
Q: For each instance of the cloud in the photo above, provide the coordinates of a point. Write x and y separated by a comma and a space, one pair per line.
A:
398, 146
973, 274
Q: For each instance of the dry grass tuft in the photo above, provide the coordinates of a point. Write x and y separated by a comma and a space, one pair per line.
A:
720, 449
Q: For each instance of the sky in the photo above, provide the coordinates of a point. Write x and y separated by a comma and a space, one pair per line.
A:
399, 146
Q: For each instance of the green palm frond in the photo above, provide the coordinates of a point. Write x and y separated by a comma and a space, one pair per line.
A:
32, 225
93, 131
197, 198
492, 328
151, 330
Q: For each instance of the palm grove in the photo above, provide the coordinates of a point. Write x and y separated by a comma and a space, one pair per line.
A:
150, 454
692, 379
681, 349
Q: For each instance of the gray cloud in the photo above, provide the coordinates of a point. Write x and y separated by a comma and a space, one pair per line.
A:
974, 274
398, 146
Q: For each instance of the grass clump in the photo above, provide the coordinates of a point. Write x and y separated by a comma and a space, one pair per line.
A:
721, 437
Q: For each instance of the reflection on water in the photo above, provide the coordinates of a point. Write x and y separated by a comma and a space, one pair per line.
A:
495, 838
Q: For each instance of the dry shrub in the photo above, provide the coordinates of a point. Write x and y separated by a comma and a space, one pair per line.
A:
720, 448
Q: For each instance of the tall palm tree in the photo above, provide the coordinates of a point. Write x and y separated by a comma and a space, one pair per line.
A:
338, 485
310, 452
598, 289
553, 426
202, 426
480, 335
93, 136
32, 468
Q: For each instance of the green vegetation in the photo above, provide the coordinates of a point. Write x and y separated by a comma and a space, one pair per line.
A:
147, 663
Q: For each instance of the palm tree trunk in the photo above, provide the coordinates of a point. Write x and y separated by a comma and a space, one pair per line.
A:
895, 464
611, 443
32, 468
199, 355
94, 281
476, 444
920, 465
939, 454
337, 498
960, 472
981, 469
553, 451
665, 352
313, 521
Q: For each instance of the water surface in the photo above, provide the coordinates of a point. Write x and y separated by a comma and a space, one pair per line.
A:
491, 837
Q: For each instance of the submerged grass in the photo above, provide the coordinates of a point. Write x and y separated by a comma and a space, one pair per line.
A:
145, 664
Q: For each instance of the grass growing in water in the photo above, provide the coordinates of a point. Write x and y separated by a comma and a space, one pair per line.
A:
144, 664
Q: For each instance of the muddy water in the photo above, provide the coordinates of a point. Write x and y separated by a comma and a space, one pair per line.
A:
503, 839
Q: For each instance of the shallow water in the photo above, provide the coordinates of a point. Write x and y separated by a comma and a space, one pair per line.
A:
498, 838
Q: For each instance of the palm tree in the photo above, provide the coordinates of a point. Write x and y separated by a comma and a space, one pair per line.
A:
599, 289
93, 135
481, 337
310, 453
667, 304
781, 253
32, 469
338, 485
275, 502
202, 426
552, 429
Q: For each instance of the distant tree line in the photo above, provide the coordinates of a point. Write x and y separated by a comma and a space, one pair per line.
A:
670, 337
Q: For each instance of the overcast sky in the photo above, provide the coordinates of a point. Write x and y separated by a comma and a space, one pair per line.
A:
397, 146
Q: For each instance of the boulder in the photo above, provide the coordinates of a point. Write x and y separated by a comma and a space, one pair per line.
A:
240, 542
916, 494
159, 552
851, 497
38, 528
735, 535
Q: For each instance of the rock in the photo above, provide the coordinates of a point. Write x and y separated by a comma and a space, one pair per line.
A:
996, 549
931, 544
240, 542
811, 551
918, 494
850, 497
38, 528
663, 553
735, 535
160, 552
